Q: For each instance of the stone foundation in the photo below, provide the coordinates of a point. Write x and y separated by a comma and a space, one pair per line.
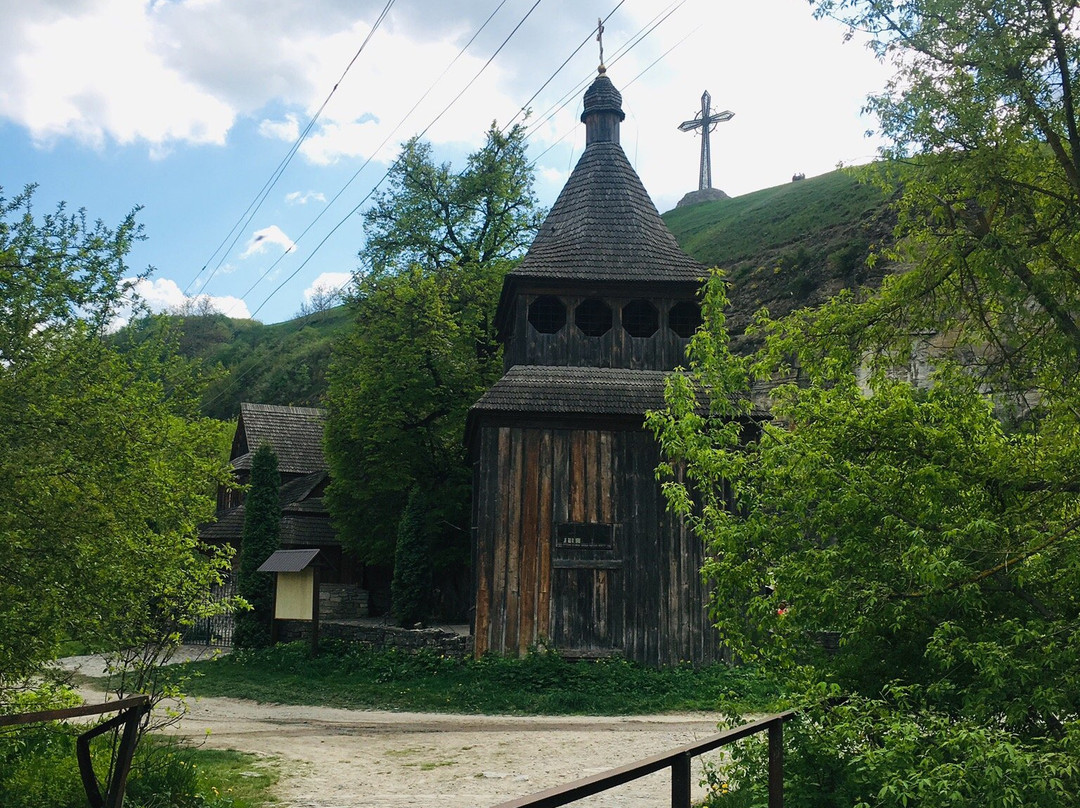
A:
342, 601
436, 640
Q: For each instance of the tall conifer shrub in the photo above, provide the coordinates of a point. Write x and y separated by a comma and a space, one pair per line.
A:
262, 524
412, 562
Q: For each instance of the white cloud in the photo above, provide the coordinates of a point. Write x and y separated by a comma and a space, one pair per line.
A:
92, 72
262, 239
173, 72
327, 282
164, 295
287, 129
303, 197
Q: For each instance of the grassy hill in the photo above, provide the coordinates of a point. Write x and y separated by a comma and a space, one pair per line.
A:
790, 246
282, 363
783, 248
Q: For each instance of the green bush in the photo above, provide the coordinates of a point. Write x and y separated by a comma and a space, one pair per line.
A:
38, 769
411, 587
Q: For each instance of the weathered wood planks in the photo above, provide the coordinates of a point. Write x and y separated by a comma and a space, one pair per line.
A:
639, 593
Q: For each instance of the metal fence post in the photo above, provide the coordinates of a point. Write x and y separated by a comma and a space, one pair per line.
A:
680, 781
776, 764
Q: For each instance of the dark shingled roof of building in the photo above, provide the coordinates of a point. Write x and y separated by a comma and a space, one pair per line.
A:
304, 518
601, 96
584, 391
288, 561
307, 530
575, 391
296, 495
604, 227
229, 527
294, 433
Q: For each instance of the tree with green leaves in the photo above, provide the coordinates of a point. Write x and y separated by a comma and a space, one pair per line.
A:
985, 144
258, 541
421, 348
903, 548
106, 468
432, 217
914, 549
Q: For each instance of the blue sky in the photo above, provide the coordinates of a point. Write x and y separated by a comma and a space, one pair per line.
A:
186, 108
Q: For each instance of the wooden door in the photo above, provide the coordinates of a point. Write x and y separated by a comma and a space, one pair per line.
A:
586, 597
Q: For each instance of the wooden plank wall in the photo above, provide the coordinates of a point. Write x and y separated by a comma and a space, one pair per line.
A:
530, 479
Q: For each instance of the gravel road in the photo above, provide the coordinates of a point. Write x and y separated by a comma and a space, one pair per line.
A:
336, 758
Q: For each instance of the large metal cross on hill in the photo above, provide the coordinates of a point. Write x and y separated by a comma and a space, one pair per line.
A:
706, 121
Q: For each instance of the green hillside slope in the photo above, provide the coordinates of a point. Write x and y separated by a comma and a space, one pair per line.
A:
282, 363
789, 246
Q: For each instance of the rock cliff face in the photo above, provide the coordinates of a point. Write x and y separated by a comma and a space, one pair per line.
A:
706, 195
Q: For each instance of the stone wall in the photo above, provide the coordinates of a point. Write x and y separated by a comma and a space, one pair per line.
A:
342, 601
438, 641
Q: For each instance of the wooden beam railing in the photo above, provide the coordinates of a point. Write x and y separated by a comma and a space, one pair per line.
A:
130, 712
678, 760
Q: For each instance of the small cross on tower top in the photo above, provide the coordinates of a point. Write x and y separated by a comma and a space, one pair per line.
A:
600, 39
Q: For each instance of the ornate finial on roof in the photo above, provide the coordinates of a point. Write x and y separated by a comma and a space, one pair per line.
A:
600, 38
602, 111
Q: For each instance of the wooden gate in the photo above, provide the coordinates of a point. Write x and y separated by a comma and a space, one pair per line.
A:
587, 580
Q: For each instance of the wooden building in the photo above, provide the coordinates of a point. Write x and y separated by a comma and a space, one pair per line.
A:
573, 544
296, 436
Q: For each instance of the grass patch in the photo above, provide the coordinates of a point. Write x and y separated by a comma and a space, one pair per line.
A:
38, 769
236, 779
351, 676
727, 231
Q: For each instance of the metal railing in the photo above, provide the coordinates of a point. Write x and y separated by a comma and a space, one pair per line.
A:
130, 712
678, 760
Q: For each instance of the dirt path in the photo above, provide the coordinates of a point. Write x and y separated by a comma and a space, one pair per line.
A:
344, 758
335, 758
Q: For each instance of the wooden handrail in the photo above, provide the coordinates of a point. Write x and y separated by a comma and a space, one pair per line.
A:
73, 712
678, 760
130, 712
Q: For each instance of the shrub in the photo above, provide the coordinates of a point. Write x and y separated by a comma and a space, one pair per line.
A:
262, 523
412, 562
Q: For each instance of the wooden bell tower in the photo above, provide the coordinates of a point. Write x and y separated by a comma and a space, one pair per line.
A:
573, 545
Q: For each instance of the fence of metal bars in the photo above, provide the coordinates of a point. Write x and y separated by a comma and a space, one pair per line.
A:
678, 760
216, 630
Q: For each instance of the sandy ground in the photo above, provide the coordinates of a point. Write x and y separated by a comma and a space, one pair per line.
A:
334, 758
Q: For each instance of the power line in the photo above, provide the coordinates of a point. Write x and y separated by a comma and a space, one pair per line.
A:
550, 78
336, 227
628, 46
371, 157
256, 203
638, 37
633, 42
435, 120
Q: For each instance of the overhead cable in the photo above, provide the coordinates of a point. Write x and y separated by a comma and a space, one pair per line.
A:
336, 227
370, 193
253, 207
371, 157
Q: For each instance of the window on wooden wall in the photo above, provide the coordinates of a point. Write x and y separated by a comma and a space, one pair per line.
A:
593, 317
640, 318
684, 318
547, 314
596, 535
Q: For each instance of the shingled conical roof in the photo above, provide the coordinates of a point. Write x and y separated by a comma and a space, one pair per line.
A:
604, 226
